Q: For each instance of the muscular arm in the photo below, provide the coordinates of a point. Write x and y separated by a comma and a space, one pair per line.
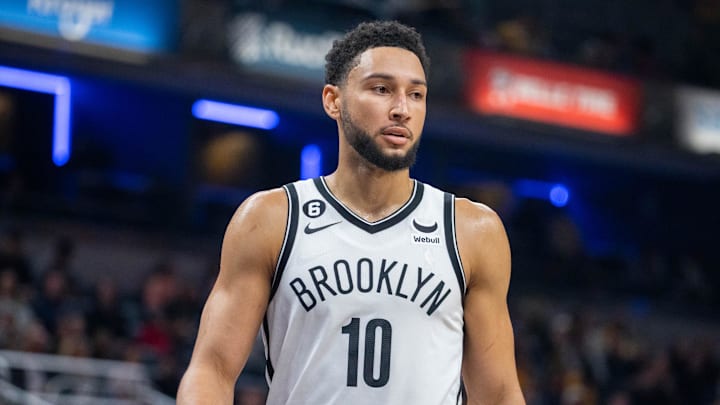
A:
237, 303
489, 369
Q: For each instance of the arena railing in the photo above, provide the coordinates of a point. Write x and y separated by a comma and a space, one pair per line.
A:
42, 379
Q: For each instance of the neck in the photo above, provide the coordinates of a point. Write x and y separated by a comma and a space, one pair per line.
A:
370, 192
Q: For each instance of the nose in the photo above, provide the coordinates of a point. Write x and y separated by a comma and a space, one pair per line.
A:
399, 111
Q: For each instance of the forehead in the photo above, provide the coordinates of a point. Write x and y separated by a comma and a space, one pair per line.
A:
399, 63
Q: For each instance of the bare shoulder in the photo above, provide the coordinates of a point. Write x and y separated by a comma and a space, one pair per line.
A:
476, 217
261, 206
256, 230
482, 241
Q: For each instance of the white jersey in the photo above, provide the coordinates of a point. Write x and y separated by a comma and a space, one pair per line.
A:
366, 312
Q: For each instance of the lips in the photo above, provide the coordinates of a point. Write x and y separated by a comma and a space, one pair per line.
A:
396, 131
396, 135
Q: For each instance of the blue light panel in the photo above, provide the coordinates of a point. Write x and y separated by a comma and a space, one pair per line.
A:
235, 114
310, 162
59, 86
557, 194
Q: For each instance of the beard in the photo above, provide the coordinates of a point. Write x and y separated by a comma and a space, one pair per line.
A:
363, 144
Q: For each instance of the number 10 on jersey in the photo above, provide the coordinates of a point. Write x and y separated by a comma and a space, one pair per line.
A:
353, 330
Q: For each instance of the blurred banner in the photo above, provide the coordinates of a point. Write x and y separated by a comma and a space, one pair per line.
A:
292, 43
551, 93
136, 25
698, 113
284, 44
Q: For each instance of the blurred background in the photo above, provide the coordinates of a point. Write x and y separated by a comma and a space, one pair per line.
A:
131, 130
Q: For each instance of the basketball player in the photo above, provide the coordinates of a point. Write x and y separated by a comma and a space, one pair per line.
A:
370, 287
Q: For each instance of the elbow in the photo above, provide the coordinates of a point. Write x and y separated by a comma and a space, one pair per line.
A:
205, 384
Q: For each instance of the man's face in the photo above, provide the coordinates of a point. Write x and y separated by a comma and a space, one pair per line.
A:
383, 108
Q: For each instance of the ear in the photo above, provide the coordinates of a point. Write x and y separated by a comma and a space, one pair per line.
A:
331, 101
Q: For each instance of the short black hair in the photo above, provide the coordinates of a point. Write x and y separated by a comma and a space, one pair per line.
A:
342, 57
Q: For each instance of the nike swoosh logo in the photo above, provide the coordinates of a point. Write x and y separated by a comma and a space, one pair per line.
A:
425, 229
309, 230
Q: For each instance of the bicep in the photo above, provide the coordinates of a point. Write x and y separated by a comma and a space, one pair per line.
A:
489, 368
236, 305
230, 322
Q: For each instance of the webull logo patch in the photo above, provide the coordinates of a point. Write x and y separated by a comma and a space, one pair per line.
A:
425, 240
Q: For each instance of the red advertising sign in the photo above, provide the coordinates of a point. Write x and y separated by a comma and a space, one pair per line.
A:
551, 93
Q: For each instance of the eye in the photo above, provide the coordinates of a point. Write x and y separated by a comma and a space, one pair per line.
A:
417, 95
381, 89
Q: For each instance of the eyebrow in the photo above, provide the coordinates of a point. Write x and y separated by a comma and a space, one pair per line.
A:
390, 77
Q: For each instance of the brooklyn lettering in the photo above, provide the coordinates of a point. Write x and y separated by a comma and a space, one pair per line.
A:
388, 277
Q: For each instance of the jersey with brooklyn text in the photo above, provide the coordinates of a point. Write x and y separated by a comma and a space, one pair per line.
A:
366, 312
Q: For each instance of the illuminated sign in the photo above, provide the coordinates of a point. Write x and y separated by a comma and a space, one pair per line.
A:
699, 119
552, 93
59, 86
146, 26
235, 114
75, 19
278, 46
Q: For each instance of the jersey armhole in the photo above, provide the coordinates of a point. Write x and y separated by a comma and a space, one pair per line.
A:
451, 240
289, 238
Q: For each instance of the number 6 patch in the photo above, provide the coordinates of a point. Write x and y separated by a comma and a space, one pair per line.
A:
314, 208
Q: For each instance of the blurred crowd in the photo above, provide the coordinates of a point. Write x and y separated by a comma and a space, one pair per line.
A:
583, 351
591, 356
47, 308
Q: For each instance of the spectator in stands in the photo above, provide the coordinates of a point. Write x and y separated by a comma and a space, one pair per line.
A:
16, 315
166, 374
696, 367
51, 299
182, 315
166, 333
62, 260
106, 321
155, 336
72, 339
105, 310
523, 35
159, 292
36, 339
653, 383
14, 257
160, 289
